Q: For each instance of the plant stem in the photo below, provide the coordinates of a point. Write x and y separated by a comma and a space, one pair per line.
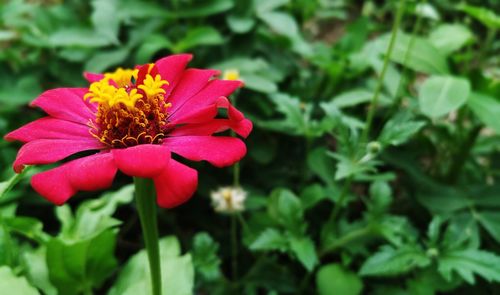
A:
146, 207
374, 102
234, 248
340, 201
346, 239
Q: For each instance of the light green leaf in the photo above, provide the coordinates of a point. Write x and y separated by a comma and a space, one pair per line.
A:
10, 284
37, 271
399, 129
486, 16
263, 6
312, 195
78, 37
198, 37
333, 279
468, 262
448, 38
280, 22
304, 249
486, 108
177, 272
203, 8
103, 19
490, 220
151, 45
104, 60
322, 165
440, 95
391, 262
423, 56
270, 239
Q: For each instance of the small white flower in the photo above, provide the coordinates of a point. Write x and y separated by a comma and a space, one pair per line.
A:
229, 199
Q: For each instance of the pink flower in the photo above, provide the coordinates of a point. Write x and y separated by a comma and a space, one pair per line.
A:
132, 120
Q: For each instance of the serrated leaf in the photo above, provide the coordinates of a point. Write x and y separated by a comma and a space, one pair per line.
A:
205, 258
440, 95
333, 279
399, 129
270, 239
305, 251
391, 262
490, 220
470, 262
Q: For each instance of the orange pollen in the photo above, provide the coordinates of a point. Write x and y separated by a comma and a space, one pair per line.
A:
129, 114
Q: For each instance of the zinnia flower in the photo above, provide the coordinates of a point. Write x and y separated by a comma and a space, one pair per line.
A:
132, 120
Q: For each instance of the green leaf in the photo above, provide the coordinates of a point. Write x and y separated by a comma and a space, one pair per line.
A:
486, 16
26, 226
16, 91
205, 258
151, 45
37, 271
448, 38
10, 284
312, 195
322, 165
203, 8
468, 262
104, 24
287, 209
381, 195
198, 37
440, 95
490, 220
263, 6
77, 37
399, 129
305, 251
78, 265
102, 61
486, 108
333, 279
294, 121
280, 22
270, 239
423, 56
391, 262
6, 186
177, 272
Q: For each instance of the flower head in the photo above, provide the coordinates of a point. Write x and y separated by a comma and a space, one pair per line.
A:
132, 120
229, 199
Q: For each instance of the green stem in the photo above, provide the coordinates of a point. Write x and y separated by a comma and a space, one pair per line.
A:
234, 247
146, 207
340, 201
374, 102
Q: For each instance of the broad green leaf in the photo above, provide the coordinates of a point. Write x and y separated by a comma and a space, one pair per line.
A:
312, 195
381, 195
392, 262
11, 284
78, 37
280, 22
286, 208
305, 251
202, 8
26, 226
205, 259
75, 266
151, 45
486, 108
468, 262
486, 16
448, 38
352, 98
259, 83
270, 239
322, 165
177, 272
103, 60
103, 19
37, 270
7, 35
333, 279
399, 129
440, 95
241, 19
422, 57
198, 37
263, 6
16, 91
294, 121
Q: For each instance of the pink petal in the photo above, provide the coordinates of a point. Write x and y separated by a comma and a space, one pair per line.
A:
175, 185
191, 82
207, 96
50, 128
144, 160
92, 77
47, 151
66, 104
89, 173
242, 128
220, 151
171, 68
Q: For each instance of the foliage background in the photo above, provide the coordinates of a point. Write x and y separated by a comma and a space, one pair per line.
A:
406, 203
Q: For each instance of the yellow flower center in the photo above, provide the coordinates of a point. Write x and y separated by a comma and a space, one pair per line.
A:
129, 112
